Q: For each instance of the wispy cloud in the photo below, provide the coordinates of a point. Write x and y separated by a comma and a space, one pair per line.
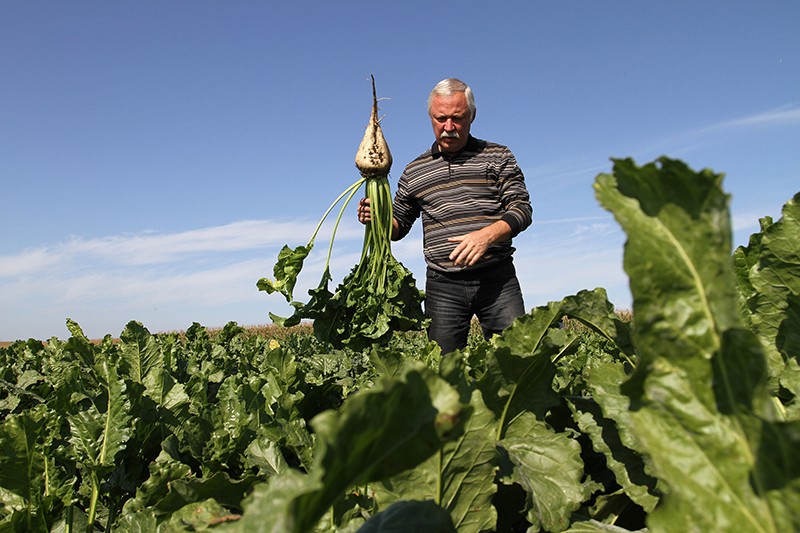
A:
209, 275
686, 141
557, 175
154, 248
150, 248
595, 220
27, 261
784, 115
112, 279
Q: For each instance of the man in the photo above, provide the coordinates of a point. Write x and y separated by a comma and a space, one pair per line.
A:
472, 197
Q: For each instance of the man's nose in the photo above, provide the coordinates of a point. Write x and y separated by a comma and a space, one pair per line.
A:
449, 125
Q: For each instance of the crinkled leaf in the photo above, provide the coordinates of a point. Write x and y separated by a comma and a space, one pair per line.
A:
606, 421
149, 363
593, 309
358, 316
219, 486
139, 351
549, 467
143, 521
198, 516
768, 273
286, 269
265, 455
311, 310
594, 526
790, 382
164, 471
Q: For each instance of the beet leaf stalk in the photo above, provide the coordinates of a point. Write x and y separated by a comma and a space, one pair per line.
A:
379, 296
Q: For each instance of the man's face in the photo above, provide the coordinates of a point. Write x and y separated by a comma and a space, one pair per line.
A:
451, 121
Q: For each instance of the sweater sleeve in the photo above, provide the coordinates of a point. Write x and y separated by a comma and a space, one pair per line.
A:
514, 196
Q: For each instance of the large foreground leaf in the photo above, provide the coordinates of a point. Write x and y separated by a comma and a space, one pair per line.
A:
698, 395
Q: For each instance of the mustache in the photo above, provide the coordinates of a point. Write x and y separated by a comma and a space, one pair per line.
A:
449, 135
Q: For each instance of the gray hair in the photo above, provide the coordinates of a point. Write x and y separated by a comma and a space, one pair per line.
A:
449, 86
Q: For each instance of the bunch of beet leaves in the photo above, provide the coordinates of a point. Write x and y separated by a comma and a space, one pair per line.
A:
379, 296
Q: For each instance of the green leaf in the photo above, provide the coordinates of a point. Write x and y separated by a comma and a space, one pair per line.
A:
460, 478
139, 522
593, 526
790, 382
22, 462
768, 274
164, 471
219, 486
698, 397
79, 344
198, 516
607, 422
269, 508
286, 269
677, 254
549, 467
100, 432
376, 433
377, 298
593, 309
519, 371
149, 361
365, 310
265, 455
140, 352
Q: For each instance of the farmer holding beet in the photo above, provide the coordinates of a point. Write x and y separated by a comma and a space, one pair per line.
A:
472, 198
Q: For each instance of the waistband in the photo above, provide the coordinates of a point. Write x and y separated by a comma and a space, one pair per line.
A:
502, 269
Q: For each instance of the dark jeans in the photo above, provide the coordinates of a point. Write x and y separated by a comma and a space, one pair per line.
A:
451, 300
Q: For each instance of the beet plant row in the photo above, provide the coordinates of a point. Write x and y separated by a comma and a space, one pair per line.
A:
685, 419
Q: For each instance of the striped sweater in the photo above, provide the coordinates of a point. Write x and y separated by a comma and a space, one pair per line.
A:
462, 193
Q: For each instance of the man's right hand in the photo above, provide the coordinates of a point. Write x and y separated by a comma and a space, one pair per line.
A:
364, 213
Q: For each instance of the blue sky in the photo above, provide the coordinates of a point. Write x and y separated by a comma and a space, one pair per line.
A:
155, 156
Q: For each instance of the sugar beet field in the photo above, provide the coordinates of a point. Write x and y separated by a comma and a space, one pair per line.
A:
682, 416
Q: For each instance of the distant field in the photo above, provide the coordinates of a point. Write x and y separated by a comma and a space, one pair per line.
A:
271, 331
265, 330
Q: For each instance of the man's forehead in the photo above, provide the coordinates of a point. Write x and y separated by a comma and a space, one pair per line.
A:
454, 104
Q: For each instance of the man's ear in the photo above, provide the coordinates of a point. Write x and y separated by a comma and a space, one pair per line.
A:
475, 114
